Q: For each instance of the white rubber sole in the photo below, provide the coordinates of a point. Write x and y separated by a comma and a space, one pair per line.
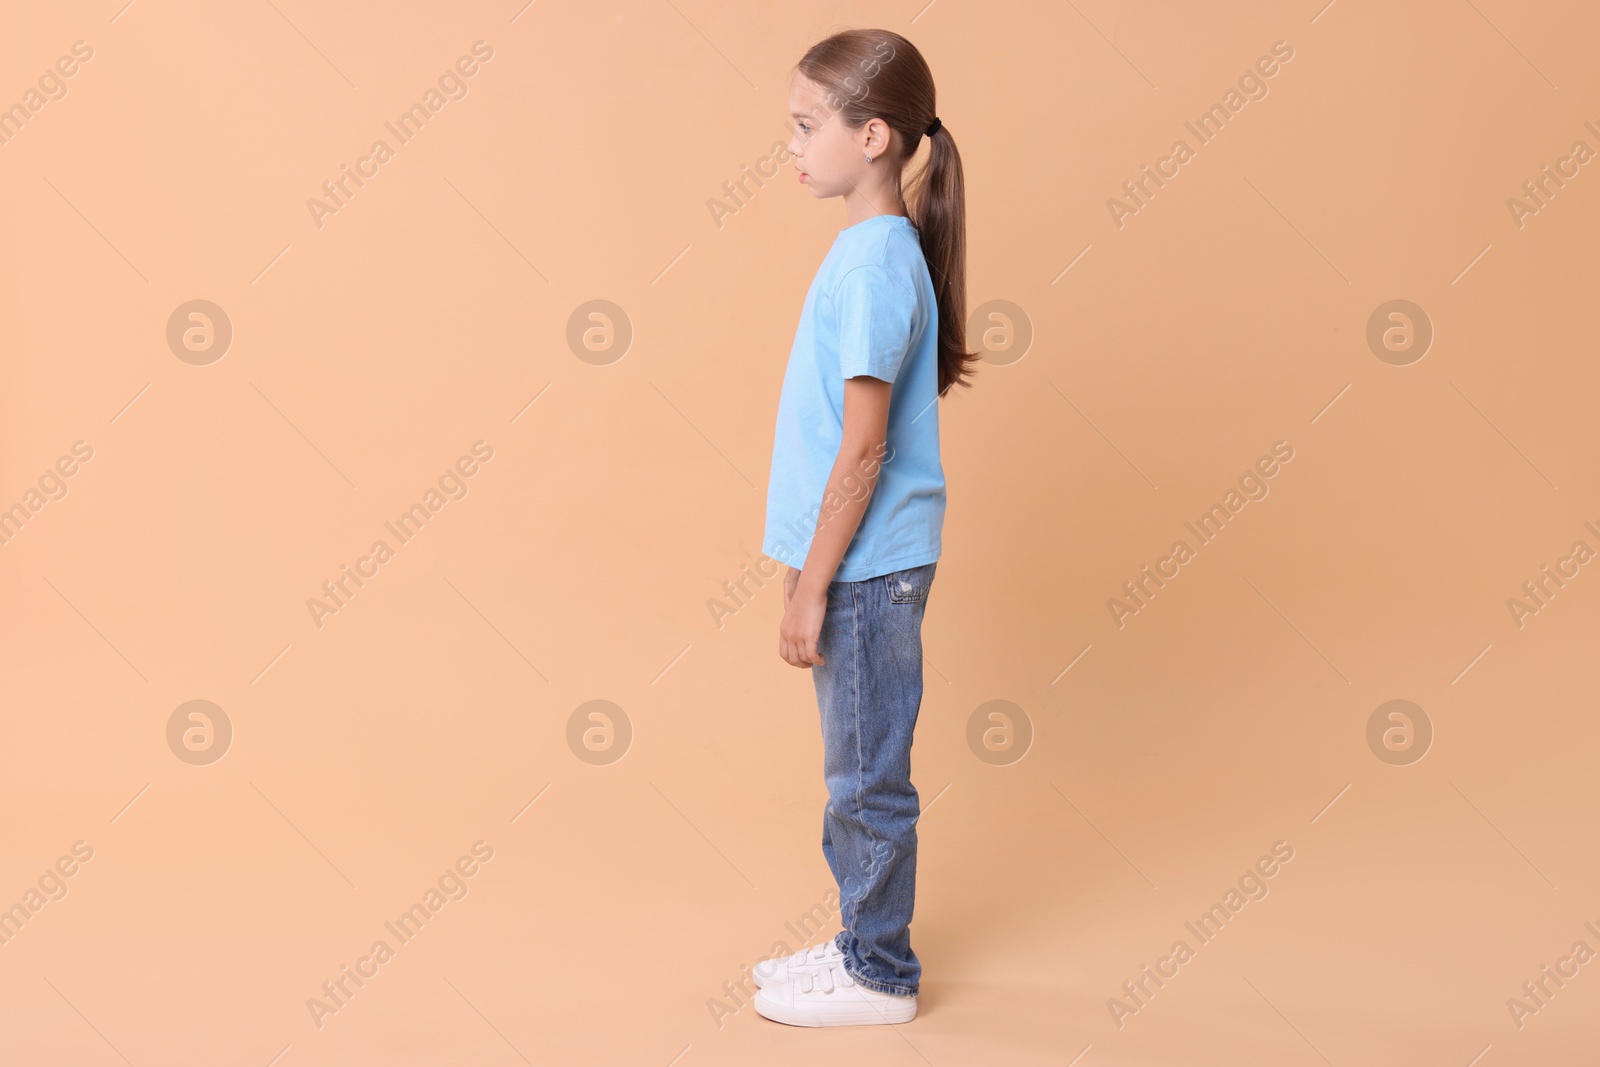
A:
846, 1013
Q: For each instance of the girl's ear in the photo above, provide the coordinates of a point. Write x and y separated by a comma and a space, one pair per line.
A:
877, 134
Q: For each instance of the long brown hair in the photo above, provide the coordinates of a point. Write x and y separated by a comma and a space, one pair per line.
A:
879, 74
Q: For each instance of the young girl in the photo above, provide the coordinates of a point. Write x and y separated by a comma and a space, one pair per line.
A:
856, 500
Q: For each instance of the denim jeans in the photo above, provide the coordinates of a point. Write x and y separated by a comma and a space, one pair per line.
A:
869, 692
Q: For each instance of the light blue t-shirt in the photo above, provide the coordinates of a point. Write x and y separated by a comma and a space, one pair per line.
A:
871, 310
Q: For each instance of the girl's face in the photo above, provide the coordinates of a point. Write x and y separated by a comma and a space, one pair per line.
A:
829, 156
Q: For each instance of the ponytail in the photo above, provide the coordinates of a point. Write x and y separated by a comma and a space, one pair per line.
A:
938, 210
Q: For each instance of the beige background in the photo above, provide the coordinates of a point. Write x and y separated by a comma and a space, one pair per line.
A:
432, 710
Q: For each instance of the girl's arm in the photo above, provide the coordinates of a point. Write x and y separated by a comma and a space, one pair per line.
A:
850, 486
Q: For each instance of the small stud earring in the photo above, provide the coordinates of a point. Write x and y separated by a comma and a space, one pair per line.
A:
868, 155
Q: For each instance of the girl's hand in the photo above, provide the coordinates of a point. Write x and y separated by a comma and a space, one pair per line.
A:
802, 624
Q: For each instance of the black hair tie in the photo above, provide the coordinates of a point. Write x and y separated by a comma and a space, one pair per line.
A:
934, 127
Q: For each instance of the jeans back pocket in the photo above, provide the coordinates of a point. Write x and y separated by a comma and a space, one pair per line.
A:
909, 586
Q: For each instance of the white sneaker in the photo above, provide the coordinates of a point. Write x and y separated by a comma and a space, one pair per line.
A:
782, 968
830, 997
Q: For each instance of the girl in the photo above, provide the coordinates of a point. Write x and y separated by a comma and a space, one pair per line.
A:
856, 500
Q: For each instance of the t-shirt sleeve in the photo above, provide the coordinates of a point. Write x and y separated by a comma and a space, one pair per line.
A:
877, 315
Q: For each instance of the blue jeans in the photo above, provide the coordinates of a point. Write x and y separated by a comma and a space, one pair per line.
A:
869, 692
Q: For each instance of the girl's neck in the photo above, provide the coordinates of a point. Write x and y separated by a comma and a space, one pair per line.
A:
862, 204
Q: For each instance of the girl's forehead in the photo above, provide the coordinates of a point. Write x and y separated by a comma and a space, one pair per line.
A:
804, 94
